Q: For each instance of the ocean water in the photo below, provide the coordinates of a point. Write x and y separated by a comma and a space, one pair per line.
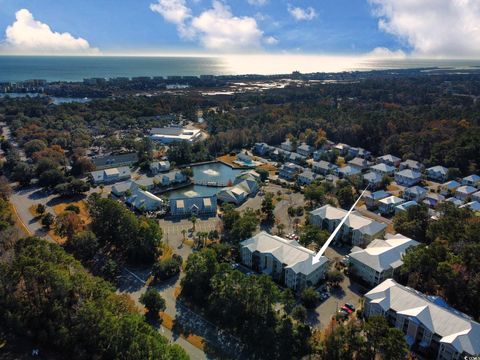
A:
76, 68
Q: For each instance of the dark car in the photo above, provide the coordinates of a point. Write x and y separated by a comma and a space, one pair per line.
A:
350, 306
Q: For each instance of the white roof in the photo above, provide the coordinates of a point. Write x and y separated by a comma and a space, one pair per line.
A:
466, 189
383, 167
392, 200
289, 252
389, 157
382, 255
452, 326
354, 220
408, 173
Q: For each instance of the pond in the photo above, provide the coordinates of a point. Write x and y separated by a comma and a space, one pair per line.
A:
214, 172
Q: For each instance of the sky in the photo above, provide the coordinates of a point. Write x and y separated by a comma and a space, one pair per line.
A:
377, 28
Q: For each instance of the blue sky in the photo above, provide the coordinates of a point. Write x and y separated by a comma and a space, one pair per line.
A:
205, 26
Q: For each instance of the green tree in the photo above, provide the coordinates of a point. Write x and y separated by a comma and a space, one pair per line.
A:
48, 220
299, 313
230, 216
313, 234
193, 220
335, 277
309, 297
40, 209
345, 196
413, 222
165, 269
33, 146
268, 207
244, 227
84, 245
153, 302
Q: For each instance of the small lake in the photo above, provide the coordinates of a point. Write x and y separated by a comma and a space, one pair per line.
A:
213, 172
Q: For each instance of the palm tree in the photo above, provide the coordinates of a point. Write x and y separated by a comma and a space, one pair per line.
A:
193, 219
184, 232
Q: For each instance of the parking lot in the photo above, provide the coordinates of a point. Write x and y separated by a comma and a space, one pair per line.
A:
172, 232
348, 292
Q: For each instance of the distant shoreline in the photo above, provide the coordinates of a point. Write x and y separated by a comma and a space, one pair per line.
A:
16, 68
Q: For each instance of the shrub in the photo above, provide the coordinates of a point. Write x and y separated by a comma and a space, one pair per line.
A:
165, 269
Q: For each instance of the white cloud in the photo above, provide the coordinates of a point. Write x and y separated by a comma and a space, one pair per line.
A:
384, 53
216, 28
257, 2
301, 14
174, 11
270, 40
434, 28
29, 36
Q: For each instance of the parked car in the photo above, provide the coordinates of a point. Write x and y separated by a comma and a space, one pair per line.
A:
350, 306
347, 309
324, 296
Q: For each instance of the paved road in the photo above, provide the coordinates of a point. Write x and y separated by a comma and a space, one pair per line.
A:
348, 292
22, 200
133, 284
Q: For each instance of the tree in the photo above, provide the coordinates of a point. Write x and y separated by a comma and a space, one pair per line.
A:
82, 165
40, 209
34, 146
153, 302
381, 338
69, 305
309, 297
314, 193
244, 227
193, 220
280, 229
264, 174
345, 196
48, 220
51, 178
165, 269
23, 173
335, 277
67, 224
313, 234
83, 245
199, 269
386, 181
268, 207
230, 216
413, 222
299, 313
110, 270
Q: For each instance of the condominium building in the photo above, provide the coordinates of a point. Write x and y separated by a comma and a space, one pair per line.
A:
429, 324
286, 261
380, 259
356, 230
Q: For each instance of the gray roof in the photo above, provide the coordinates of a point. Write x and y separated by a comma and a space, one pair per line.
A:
415, 190
355, 220
408, 173
289, 252
438, 169
453, 327
383, 168
389, 158
382, 255
373, 177
113, 160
